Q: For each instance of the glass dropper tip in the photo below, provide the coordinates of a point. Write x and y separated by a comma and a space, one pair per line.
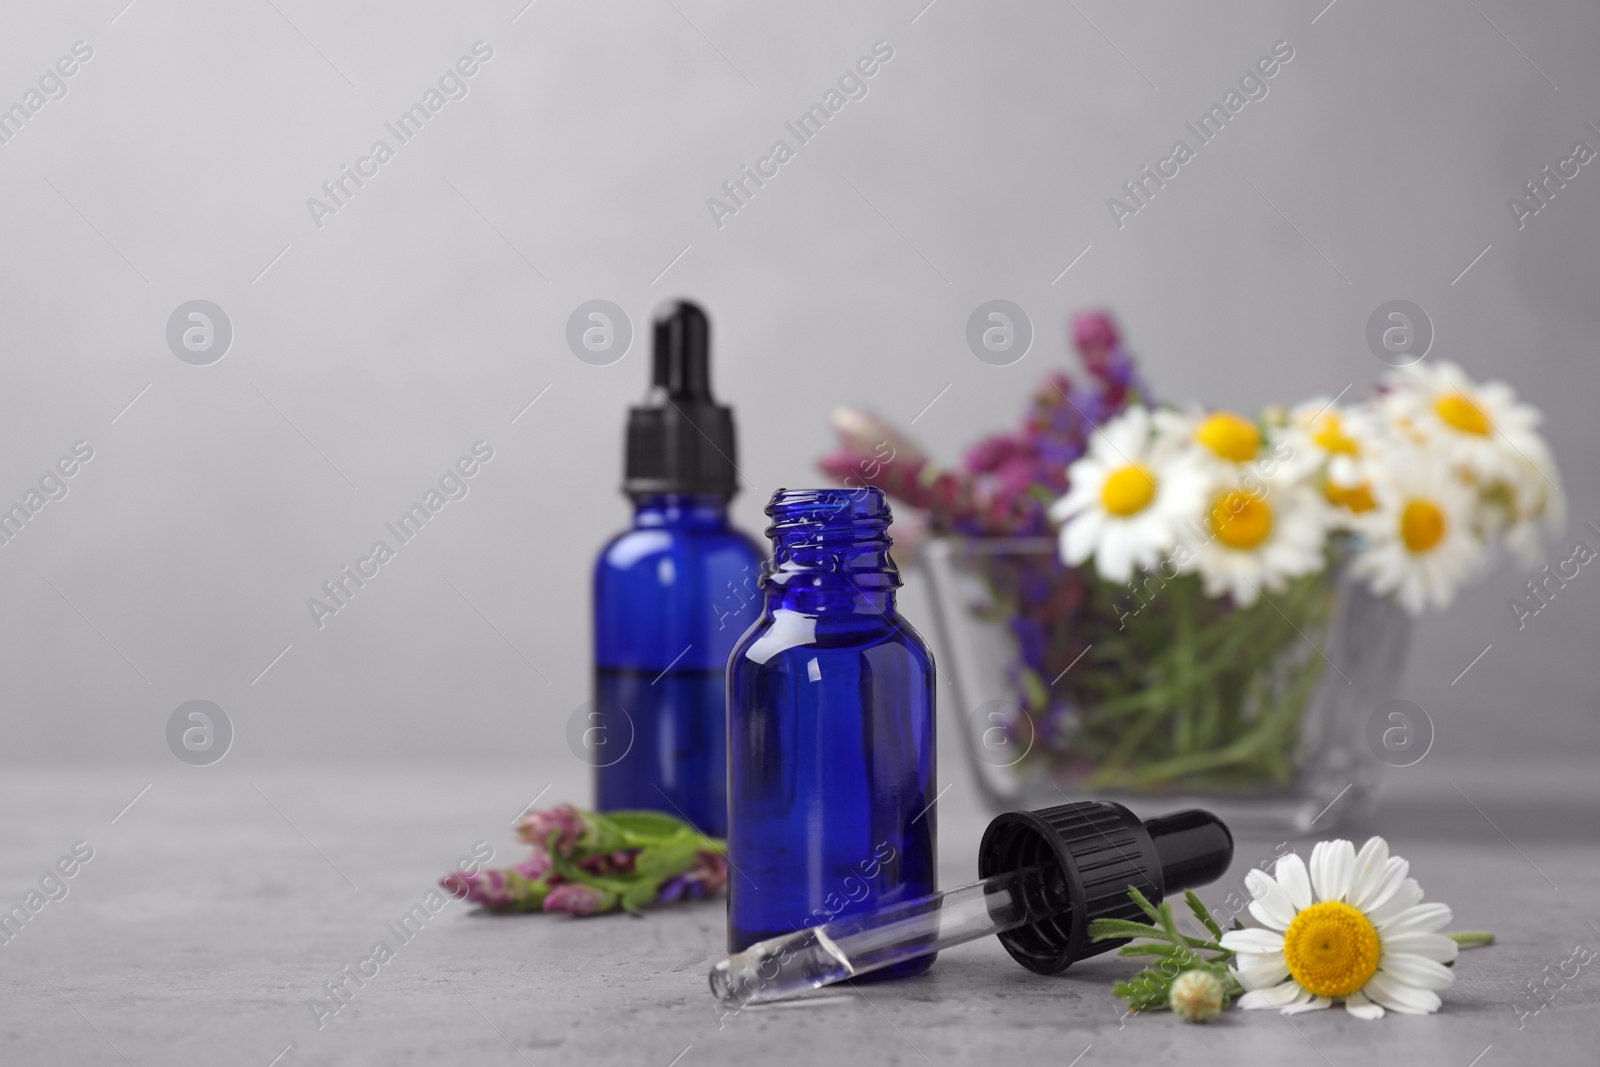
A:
779, 967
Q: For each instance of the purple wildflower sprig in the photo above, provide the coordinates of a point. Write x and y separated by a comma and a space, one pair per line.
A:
1006, 483
585, 863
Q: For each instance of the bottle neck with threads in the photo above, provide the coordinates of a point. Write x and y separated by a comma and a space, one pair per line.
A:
830, 552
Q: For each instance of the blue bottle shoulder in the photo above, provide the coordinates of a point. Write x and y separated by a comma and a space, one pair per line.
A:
681, 582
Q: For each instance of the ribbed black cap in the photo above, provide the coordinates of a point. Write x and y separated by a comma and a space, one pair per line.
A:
681, 440
1100, 850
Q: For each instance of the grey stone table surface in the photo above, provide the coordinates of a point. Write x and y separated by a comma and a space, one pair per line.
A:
221, 900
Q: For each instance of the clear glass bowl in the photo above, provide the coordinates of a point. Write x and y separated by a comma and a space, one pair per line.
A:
1158, 696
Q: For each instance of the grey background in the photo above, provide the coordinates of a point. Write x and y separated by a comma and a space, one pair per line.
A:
432, 309
370, 354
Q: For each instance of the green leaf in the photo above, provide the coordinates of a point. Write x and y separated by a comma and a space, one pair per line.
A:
1152, 948
1167, 923
565, 866
665, 860
1201, 913
1037, 694
1146, 990
639, 894
645, 824
638, 828
1144, 903
1230, 983
1105, 929
1472, 938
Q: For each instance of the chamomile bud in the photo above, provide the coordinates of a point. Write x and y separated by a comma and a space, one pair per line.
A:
1196, 996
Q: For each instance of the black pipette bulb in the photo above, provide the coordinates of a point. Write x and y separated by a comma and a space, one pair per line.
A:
680, 440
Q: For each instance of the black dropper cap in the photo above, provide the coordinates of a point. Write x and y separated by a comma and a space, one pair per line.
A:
1100, 849
681, 440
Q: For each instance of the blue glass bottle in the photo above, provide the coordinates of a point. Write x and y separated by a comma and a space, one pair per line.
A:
671, 596
830, 729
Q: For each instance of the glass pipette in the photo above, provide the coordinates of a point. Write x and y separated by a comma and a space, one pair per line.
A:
1048, 874
858, 944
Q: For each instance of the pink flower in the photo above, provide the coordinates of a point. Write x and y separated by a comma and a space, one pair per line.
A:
713, 870
536, 827
487, 888
604, 863
534, 865
992, 453
1095, 332
575, 898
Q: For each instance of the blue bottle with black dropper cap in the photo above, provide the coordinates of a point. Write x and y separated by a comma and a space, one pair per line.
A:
672, 594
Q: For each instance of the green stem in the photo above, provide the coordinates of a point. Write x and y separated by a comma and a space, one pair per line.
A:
1224, 658
1200, 693
1472, 938
1245, 747
1210, 717
1173, 702
1113, 764
1183, 732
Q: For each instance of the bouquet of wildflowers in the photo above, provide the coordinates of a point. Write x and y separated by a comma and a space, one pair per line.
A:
585, 863
1197, 550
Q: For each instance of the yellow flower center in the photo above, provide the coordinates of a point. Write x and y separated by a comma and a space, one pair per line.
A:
1128, 490
1241, 521
1422, 525
1230, 437
1330, 437
1461, 413
1331, 949
1356, 498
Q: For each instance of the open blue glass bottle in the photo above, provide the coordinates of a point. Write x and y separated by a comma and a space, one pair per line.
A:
830, 730
672, 595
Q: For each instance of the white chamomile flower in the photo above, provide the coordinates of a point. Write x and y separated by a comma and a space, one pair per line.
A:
1224, 444
1260, 534
1419, 542
1345, 443
1353, 927
1129, 493
1535, 507
1482, 429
